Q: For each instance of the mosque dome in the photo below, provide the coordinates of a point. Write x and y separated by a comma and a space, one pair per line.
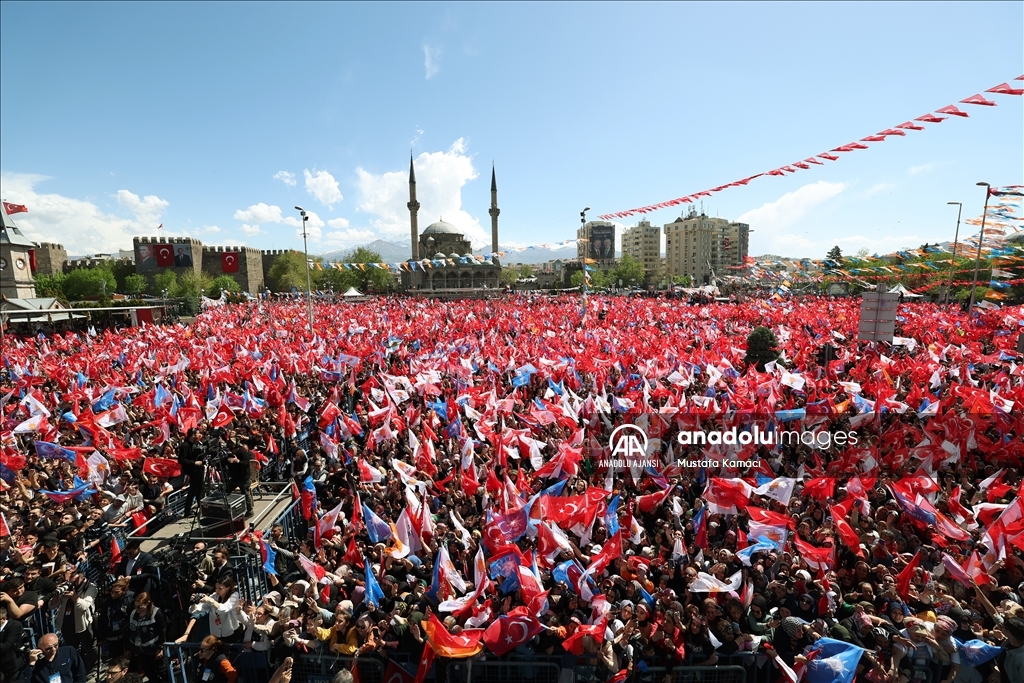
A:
439, 255
441, 228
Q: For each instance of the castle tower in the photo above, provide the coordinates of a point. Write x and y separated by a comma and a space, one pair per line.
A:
414, 207
494, 211
15, 261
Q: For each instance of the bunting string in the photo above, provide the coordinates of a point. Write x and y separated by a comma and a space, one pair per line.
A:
832, 155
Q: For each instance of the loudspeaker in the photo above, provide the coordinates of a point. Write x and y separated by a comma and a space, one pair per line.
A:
223, 507
212, 527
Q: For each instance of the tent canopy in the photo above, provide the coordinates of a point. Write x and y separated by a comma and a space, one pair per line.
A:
900, 289
352, 291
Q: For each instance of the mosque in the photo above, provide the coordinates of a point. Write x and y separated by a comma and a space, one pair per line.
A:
442, 257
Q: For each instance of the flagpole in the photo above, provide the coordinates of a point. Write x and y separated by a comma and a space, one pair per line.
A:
583, 225
956, 237
305, 251
981, 240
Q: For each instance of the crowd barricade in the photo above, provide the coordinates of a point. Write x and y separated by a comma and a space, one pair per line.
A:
250, 576
253, 667
292, 522
693, 674
501, 671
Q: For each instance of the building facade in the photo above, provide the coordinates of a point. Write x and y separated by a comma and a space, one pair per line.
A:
643, 242
697, 245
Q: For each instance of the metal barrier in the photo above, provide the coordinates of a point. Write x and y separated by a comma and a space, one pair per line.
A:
693, 674
487, 671
254, 667
292, 522
252, 580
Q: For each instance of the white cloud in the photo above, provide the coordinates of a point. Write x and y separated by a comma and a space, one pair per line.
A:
81, 226
879, 187
211, 229
431, 59
250, 230
791, 207
440, 177
340, 239
285, 177
338, 223
147, 209
923, 168
323, 187
416, 139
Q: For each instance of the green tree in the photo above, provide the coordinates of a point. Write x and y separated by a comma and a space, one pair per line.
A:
762, 347
122, 270
51, 285
288, 272
134, 284
525, 270
834, 254
629, 271
380, 278
192, 284
576, 279
165, 281
509, 275
89, 283
222, 283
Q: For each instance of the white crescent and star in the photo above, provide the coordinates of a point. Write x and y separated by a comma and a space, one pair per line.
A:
164, 252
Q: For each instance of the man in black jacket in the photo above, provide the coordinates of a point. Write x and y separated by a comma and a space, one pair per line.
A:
52, 663
191, 453
12, 655
139, 567
239, 474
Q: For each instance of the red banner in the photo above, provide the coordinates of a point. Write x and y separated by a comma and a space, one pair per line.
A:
32, 259
164, 255
229, 262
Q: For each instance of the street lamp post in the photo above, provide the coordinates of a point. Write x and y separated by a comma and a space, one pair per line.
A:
977, 258
956, 237
583, 225
305, 251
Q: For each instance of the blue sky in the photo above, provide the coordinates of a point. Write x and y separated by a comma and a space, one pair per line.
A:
216, 119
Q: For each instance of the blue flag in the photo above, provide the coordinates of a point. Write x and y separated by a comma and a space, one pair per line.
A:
106, 402
374, 593
836, 662
977, 652
378, 530
270, 556
762, 546
611, 517
45, 449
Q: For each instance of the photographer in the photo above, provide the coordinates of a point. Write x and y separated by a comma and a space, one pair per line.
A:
74, 607
191, 455
222, 608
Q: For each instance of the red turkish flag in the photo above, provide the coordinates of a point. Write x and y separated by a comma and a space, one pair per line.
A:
162, 467
907, 575
164, 255
229, 262
32, 259
396, 674
511, 630
223, 417
12, 209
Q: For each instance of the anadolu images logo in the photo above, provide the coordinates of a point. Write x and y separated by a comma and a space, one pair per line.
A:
628, 442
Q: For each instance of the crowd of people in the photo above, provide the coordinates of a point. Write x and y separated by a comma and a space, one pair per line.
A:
462, 496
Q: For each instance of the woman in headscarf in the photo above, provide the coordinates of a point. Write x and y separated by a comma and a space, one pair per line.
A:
757, 620
790, 639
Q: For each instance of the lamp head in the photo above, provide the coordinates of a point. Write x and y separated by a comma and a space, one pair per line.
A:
299, 208
982, 184
954, 203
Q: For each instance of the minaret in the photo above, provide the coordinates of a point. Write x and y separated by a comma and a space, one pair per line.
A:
414, 207
494, 212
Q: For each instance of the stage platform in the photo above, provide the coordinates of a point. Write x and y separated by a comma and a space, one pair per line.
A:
269, 502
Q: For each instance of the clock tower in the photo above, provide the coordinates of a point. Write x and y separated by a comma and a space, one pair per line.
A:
15, 261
